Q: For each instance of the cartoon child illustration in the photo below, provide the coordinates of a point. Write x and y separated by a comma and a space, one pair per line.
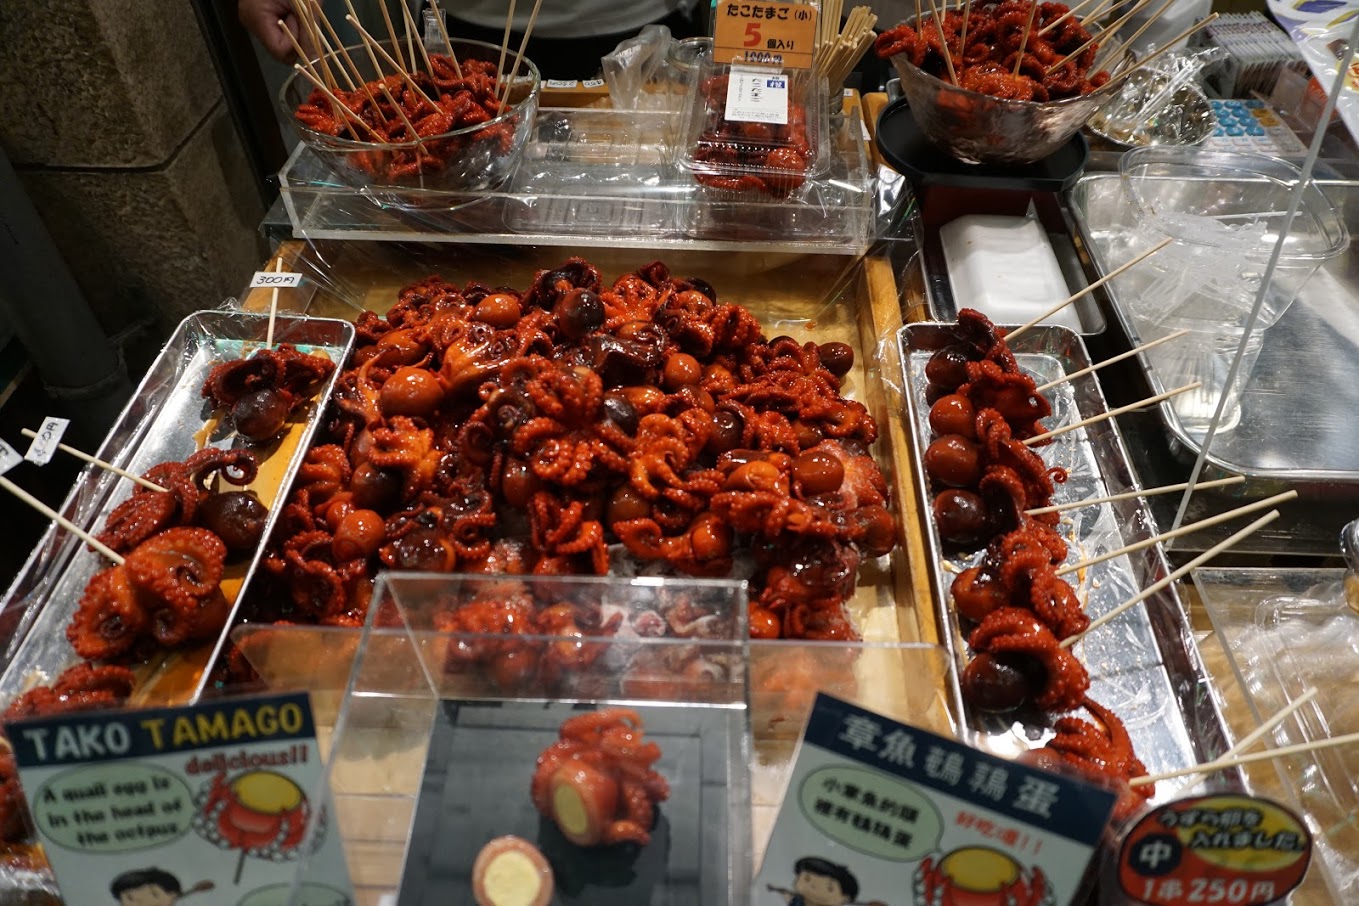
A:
146, 887
152, 887
820, 882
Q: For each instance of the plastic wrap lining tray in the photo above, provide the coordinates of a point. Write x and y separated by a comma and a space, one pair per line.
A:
1297, 414
1143, 665
167, 420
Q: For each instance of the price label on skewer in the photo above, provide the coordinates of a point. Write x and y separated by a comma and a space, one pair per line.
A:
772, 34
45, 444
9, 457
275, 280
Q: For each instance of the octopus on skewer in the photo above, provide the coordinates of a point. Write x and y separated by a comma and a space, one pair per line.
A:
237, 517
166, 592
598, 782
1019, 609
1099, 748
1007, 55
260, 392
462, 98
984, 407
560, 428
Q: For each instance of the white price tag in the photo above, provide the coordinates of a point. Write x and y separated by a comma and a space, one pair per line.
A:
9, 457
757, 96
562, 83
275, 279
45, 444
593, 83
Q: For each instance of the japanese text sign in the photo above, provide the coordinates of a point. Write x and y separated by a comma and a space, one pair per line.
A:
774, 34
162, 802
1234, 849
871, 800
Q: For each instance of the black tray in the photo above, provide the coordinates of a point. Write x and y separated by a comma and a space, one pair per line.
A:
906, 148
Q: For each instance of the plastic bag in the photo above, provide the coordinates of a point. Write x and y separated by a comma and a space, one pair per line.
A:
636, 71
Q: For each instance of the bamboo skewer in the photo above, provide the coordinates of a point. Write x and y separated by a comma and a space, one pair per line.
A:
273, 308
371, 45
523, 45
1104, 12
1128, 495
1170, 43
1099, 10
1023, 41
1066, 15
322, 76
505, 42
60, 520
308, 21
1259, 732
391, 35
1173, 577
842, 51
1105, 416
360, 82
1182, 530
106, 466
411, 26
327, 51
1137, 34
443, 33
962, 36
1100, 37
943, 42
1093, 286
1267, 755
340, 104
297, 48
1112, 359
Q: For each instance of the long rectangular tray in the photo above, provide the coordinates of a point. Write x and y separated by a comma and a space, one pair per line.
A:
1297, 418
593, 176
167, 419
1144, 665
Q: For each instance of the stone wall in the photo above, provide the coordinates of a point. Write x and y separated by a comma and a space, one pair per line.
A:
111, 112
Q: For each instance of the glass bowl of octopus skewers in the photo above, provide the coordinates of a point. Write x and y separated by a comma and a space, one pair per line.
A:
981, 112
467, 138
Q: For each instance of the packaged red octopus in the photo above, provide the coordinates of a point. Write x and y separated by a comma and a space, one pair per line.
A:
759, 132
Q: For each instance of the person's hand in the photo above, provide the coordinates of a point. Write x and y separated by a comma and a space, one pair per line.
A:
261, 18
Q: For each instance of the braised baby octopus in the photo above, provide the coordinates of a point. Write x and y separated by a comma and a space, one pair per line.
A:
583, 420
187, 492
166, 591
261, 391
992, 62
597, 781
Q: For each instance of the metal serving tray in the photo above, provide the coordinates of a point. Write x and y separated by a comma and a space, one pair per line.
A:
1297, 410
1144, 665
167, 419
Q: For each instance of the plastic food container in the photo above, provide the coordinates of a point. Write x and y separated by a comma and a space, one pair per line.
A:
755, 159
1224, 211
468, 159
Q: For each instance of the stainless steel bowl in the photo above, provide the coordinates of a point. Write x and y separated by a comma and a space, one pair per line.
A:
1187, 119
981, 129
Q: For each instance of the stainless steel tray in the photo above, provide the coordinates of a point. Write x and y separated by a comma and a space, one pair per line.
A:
167, 419
1297, 410
1144, 665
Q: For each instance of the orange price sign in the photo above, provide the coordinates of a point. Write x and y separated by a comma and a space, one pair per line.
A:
774, 34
